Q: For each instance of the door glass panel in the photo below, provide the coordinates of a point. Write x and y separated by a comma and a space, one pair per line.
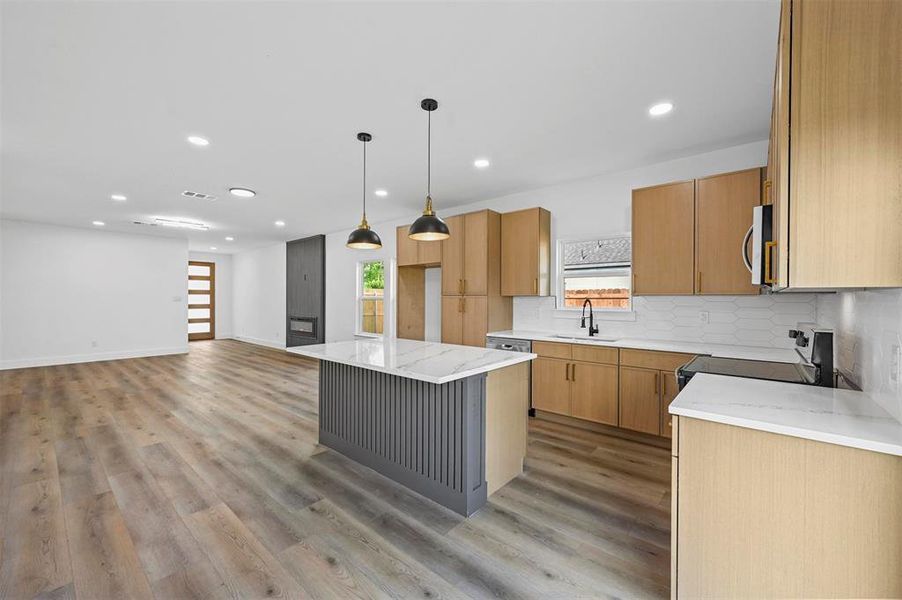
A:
198, 313
198, 284
198, 328
199, 270
199, 299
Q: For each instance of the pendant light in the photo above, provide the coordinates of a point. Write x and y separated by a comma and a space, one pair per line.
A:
364, 238
429, 227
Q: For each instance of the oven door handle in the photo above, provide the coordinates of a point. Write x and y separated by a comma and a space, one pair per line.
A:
745, 248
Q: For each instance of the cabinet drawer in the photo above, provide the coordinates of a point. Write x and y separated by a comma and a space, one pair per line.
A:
652, 359
552, 349
598, 354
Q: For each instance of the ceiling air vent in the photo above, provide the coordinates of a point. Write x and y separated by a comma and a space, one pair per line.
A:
198, 195
144, 223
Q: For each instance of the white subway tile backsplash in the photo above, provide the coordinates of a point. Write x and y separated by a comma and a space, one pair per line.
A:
744, 320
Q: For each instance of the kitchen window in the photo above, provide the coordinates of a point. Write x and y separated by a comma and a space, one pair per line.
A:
598, 270
370, 297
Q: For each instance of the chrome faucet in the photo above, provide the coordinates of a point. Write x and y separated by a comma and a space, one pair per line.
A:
593, 329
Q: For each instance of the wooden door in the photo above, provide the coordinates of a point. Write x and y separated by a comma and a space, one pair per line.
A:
669, 390
550, 385
640, 399
429, 253
723, 215
475, 320
593, 392
452, 319
407, 248
411, 320
201, 300
519, 253
476, 253
663, 239
453, 258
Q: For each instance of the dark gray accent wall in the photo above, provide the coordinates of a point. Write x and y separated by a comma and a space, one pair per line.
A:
428, 437
306, 287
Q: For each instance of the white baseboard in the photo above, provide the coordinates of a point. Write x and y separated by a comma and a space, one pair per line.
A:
47, 361
259, 342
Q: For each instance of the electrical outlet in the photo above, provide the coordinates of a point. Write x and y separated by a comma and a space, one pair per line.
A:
895, 364
704, 317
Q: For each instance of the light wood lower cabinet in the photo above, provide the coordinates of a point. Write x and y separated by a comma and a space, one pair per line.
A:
669, 390
763, 515
640, 399
467, 319
593, 392
551, 385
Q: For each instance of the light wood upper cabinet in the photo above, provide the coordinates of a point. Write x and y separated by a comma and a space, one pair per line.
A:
453, 257
476, 253
836, 145
413, 253
470, 257
551, 385
526, 253
663, 239
593, 392
723, 215
407, 250
640, 399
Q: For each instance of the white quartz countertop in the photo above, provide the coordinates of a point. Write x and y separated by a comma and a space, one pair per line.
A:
721, 350
426, 361
835, 416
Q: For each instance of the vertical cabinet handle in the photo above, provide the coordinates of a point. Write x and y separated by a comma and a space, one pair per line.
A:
573, 372
698, 282
768, 268
463, 289
535, 286
656, 383
460, 286
767, 186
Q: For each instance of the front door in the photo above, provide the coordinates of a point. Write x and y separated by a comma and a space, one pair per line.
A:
201, 300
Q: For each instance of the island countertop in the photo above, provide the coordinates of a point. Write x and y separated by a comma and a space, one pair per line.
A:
836, 416
424, 361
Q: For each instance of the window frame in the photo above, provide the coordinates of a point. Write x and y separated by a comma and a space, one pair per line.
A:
358, 303
560, 273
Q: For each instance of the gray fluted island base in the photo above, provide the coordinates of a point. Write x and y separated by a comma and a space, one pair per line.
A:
446, 421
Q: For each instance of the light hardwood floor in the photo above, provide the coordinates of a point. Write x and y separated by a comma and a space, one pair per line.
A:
199, 476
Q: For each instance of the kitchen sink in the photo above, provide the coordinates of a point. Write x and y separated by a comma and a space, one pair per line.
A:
584, 337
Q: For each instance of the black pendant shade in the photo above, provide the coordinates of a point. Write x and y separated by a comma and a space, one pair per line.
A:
429, 227
364, 238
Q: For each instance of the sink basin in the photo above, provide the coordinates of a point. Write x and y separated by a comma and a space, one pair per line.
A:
583, 337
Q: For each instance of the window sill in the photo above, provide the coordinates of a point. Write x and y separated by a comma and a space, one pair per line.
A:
369, 336
598, 314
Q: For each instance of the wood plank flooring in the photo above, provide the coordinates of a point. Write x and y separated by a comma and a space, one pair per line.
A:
199, 476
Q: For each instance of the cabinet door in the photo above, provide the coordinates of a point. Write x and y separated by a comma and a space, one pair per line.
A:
593, 392
550, 386
640, 400
776, 188
723, 215
519, 253
476, 253
453, 258
452, 319
663, 239
668, 393
475, 320
429, 253
407, 248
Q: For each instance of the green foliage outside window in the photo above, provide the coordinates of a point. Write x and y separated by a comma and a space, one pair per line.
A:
374, 276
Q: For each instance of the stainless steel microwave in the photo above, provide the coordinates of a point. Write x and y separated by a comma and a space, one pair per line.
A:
757, 255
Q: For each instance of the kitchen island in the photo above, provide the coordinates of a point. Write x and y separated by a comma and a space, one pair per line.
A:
447, 421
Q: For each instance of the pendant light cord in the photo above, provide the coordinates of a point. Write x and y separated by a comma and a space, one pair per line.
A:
429, 154
364, 181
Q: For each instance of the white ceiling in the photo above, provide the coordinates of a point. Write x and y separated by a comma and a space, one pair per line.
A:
98, 98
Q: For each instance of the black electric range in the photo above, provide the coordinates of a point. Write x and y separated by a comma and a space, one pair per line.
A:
815, 348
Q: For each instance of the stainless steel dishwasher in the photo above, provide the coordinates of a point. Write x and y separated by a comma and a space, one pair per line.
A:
514, 345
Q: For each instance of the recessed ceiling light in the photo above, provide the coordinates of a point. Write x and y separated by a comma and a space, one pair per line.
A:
180, 223
230, 238
280, 223
661, 108
198, 141
481, 163
381, 193
98, 223
242, 192
118, 198
212, 247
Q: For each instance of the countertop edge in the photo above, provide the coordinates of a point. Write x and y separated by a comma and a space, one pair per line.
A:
519, 357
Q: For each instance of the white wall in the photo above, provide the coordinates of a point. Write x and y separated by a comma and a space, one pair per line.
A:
867, 341
223, 300
76, 295
259, 296
596, 206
